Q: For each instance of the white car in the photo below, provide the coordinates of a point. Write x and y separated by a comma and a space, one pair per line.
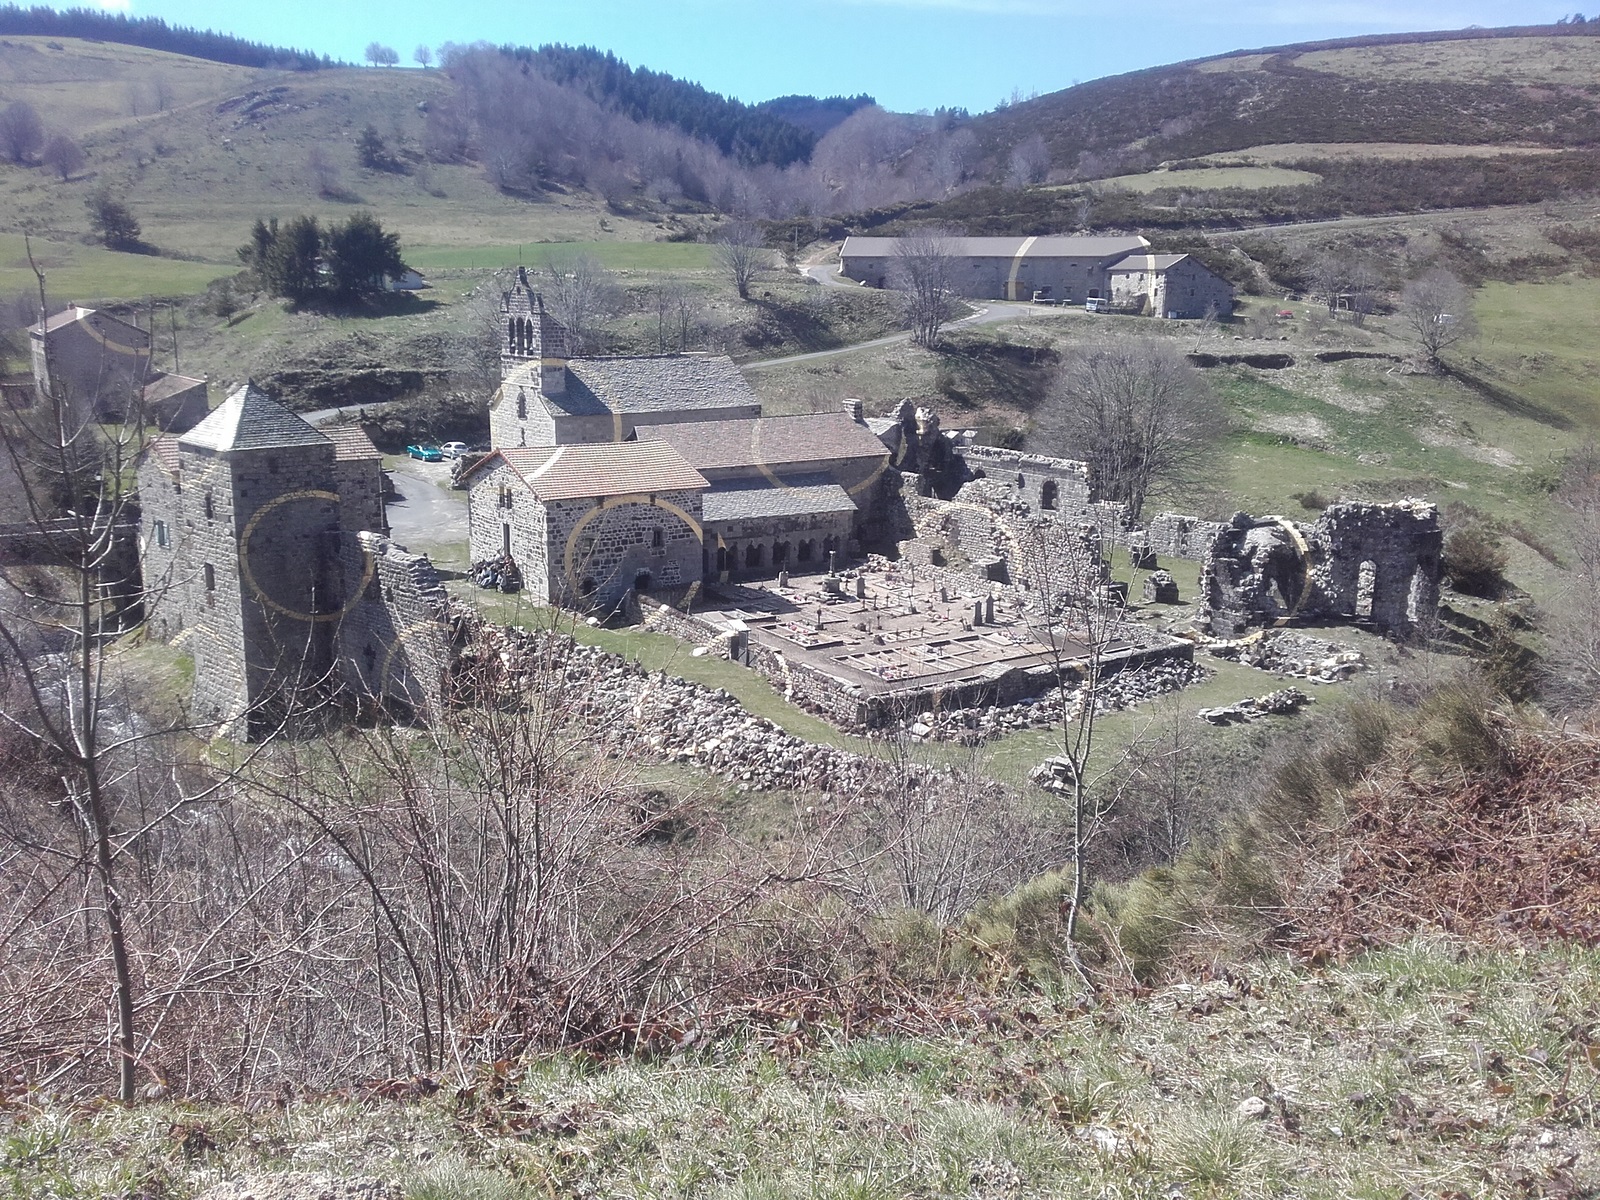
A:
454, 449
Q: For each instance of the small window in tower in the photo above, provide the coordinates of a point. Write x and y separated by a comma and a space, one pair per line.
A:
162, 537
210, 574
211, 508
657, 540
1047, 494
522, 405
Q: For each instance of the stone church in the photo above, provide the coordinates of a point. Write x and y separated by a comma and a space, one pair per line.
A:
612, 475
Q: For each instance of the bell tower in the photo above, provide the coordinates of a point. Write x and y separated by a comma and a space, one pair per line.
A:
530, 336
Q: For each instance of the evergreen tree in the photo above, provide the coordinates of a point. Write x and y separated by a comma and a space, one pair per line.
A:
361, 256
113, 222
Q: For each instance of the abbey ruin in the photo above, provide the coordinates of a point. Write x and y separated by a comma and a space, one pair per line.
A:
868, 566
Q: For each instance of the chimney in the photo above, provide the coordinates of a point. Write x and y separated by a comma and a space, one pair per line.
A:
852, 409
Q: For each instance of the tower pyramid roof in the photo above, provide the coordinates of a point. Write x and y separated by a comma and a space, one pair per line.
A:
252, 420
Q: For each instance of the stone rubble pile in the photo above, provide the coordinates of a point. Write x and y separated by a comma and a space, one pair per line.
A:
1274, 704
1124, 690
1293, 654
636, 710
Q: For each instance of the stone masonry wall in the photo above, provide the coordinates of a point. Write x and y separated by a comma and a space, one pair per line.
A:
395, 638
1178, 536
613, 545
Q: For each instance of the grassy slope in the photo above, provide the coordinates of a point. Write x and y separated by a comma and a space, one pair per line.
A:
1427, 1071
1467, 90
197, 178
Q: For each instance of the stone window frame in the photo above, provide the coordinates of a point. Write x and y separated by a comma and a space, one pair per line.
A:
162, 535
210, 505
209, 575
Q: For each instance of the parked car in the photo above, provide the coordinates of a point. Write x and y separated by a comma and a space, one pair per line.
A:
1096, 305
454, 449
426, 453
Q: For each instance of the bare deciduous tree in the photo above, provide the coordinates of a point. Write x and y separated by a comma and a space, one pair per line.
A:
1080, 620
1437, 312
923, 272
1136, 412
380, 55
741, 254
21, 132
582, 294
422, 56
1344, 283
679, 311
63, 156
1029, 162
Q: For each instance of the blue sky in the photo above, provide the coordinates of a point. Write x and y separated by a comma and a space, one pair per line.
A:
910, 54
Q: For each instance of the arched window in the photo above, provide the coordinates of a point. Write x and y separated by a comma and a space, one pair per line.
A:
522, 405
780, 554
807, 549
1047, 494
722, 559
752, 556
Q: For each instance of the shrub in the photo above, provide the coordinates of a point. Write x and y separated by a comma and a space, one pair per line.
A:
113, 221
1476, 561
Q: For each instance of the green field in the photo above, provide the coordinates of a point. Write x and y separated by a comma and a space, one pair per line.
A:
81, 273
615, 256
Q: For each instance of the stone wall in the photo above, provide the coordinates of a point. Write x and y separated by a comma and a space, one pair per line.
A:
1380, 562
759, 547
598, 551
1176, 536
395, 638
1359, 561
1044, 483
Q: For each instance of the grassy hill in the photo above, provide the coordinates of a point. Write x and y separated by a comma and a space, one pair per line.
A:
1476, 88
232, 144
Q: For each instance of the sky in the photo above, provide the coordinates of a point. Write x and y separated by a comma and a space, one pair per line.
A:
909, 54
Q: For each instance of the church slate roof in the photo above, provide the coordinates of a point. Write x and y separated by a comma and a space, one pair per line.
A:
809, 495
768, 441
671, 383
595, 470
252, 420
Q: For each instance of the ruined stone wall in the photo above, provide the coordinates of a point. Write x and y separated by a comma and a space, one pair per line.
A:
598, 551
1378, 561
1174, 535
395, 638
1359, 561
1042, 482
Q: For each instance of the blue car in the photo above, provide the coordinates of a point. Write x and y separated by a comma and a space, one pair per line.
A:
426, 453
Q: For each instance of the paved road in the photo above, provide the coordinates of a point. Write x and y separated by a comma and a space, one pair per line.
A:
992, 312
424, 512
326, 416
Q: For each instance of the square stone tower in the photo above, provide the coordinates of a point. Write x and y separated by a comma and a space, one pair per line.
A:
256, 579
